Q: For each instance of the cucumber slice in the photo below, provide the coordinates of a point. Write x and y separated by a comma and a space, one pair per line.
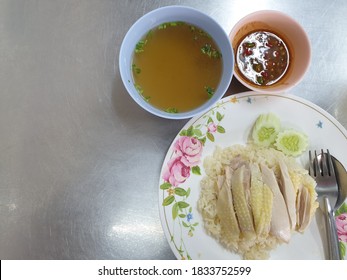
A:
291, 142
265, 129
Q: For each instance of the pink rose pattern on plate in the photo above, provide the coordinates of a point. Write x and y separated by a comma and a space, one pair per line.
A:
177, 172
189, 149
212, 127
184, 161
341, 225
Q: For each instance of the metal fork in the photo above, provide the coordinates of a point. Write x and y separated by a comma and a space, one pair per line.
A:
322, 170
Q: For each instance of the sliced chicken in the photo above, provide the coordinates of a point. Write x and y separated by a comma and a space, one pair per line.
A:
228, 174
240, 182
280, 223
236, 163
261, 202
226, 213
298, 202
220, 182
304, 209
288, 192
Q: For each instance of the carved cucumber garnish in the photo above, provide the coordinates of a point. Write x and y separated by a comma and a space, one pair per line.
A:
265, 129
291, 142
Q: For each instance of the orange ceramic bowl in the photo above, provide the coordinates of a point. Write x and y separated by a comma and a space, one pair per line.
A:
289, 31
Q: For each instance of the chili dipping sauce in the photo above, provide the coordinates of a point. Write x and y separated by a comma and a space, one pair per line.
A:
262, 58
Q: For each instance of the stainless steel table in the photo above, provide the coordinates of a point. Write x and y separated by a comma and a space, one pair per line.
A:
79, 160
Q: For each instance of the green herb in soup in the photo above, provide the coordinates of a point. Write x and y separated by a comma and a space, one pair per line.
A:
140, 46
210, 51
262, 58
171, 110
136, 69
177, 67
210, 91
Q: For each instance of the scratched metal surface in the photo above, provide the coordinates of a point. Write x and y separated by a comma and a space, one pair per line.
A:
79, 160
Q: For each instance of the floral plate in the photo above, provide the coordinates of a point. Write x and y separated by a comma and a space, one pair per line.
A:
229, 122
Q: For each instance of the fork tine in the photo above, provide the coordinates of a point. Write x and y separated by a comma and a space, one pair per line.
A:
320, 167
313, 167
330, 164
316, 167
325, 169
313, 164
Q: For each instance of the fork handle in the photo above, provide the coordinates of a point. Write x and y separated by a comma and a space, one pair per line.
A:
333, 241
